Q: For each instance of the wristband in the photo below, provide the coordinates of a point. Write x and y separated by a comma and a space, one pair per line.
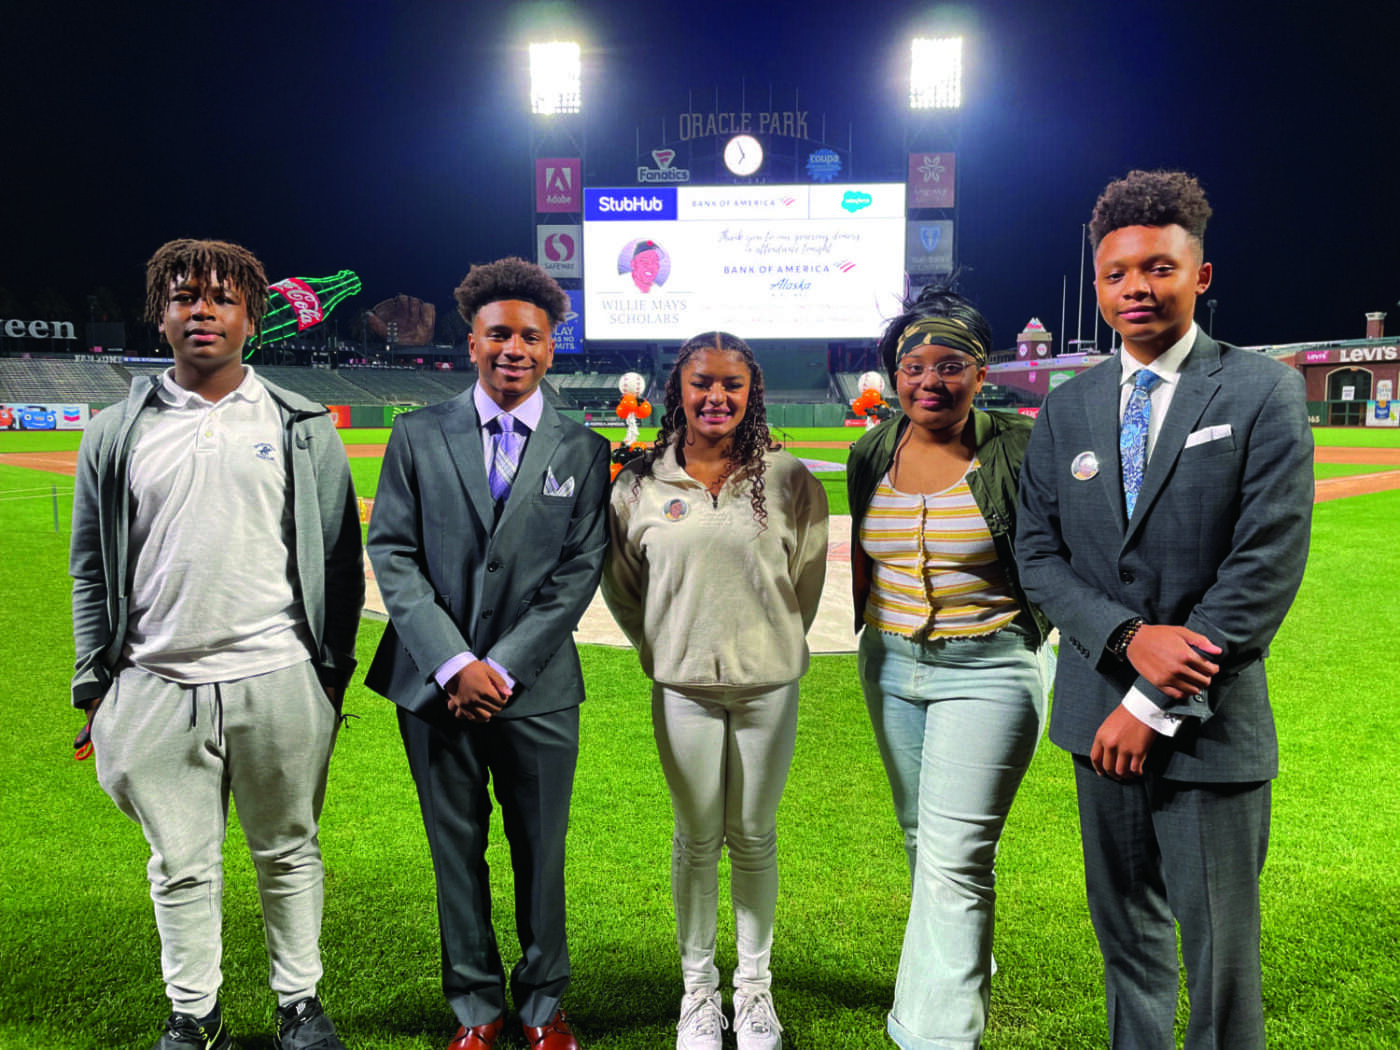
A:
1120, 640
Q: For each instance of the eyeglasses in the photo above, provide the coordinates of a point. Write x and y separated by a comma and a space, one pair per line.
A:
951, 369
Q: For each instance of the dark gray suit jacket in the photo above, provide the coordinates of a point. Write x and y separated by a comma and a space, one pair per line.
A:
1218, 543
452, 580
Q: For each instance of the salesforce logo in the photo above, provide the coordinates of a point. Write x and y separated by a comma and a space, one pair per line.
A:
605, 205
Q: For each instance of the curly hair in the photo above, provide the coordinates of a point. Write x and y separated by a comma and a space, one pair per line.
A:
181, 260
1151, 198
751, 437
510, 278
936, 300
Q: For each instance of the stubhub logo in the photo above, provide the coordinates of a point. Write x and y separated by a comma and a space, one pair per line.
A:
621, 204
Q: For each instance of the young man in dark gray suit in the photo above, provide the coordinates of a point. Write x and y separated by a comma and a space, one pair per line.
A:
1166, 502
487, 541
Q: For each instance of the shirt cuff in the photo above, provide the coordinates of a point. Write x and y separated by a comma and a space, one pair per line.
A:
450, 667
1149, 714
510, 682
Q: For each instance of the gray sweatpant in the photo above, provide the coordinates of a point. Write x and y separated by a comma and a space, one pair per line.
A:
170, 755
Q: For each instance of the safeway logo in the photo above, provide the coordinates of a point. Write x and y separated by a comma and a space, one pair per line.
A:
559, 247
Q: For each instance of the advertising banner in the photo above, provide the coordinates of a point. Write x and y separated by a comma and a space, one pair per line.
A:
765, 262
568, 334
928, 247
557, 249
47, 416
931, 180
558, 183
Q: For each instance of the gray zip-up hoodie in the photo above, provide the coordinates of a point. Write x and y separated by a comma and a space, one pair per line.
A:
329, 566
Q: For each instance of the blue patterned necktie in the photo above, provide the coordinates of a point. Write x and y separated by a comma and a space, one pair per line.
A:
505, 455
1132, 439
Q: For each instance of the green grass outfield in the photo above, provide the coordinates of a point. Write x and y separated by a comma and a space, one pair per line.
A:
81, 954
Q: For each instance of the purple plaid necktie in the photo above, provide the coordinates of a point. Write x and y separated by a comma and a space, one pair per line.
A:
505, 455
1132, 439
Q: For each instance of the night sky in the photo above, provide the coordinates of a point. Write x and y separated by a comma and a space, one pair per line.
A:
394, 139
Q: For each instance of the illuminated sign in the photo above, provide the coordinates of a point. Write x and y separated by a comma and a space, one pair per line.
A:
823, 165
16, 329
791, 123
558, 182
931, 180
663, 172
765, 262
557, 249
297, 303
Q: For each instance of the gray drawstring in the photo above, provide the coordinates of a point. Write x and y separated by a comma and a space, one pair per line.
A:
218, 712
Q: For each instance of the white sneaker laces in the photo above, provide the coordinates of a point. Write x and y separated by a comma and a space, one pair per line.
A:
755, 1020
702, 1019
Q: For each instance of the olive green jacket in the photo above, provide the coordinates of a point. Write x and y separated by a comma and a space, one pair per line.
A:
1000, 443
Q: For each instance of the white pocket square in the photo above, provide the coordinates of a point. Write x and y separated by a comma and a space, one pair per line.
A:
553, 487
1205, 434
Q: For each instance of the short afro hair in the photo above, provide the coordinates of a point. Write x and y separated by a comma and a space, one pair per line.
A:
186, 259
510, 278
1151, 198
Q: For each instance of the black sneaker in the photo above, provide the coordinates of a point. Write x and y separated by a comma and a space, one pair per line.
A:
303, 1025
204, 1033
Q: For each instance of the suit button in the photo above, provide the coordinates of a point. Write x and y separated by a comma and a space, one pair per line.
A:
486, 614
493, 566
1126, 576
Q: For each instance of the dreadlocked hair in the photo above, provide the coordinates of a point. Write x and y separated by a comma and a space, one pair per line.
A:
751, 438
184, 260
1151, 198
510, 278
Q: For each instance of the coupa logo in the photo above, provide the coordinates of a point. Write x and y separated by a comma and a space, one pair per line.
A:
854, 200
559, 247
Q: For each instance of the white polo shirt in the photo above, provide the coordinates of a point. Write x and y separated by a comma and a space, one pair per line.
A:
210, 585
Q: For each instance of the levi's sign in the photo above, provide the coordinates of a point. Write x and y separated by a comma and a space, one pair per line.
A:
1355, 354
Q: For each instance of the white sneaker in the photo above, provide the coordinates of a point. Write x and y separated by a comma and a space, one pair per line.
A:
702, 1020
756, 1024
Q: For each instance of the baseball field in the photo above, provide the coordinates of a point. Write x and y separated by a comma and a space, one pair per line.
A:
79, 957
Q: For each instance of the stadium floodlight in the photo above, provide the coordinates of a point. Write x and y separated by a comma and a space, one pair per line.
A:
555, 79
935, 73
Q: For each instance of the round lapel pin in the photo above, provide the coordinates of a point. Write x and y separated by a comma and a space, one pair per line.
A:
675, 509
1085, 465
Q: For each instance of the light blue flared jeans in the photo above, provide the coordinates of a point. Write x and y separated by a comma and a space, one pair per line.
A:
957, 722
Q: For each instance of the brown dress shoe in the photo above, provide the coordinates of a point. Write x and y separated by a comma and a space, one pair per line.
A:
555, 1035
480, 1037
